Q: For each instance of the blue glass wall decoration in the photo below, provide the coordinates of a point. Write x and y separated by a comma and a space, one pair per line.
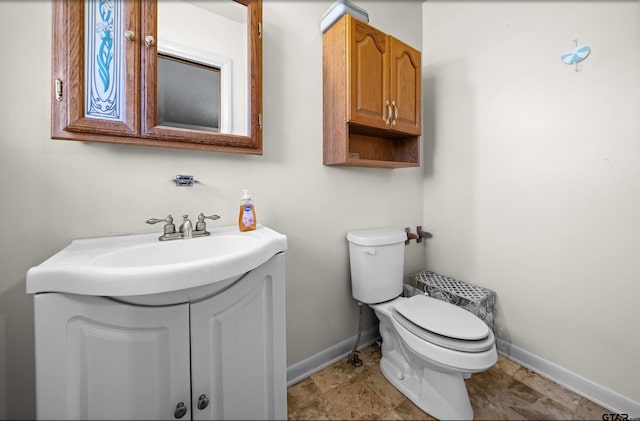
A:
104, 59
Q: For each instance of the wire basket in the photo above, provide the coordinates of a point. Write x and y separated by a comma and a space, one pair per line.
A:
477, 300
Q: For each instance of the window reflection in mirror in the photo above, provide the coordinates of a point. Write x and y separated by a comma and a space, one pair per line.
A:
212, 34
188, 94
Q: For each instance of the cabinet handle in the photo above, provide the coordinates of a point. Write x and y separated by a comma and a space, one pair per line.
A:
129, 35
395, 112
149, 41
58, 89
386, 120
203, 402
181, 410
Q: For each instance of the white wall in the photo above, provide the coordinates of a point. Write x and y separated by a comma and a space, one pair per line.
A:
315, 205
532, 176
54, 191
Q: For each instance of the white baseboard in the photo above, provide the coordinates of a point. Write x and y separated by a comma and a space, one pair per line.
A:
323, 359
586, 388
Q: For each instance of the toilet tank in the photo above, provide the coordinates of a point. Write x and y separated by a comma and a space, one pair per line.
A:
377, 264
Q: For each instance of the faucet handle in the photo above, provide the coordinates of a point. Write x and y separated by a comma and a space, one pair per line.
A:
168, 220
169, 227
202, 217
201, 225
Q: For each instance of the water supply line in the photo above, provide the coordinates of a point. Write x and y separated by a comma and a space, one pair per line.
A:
354, 357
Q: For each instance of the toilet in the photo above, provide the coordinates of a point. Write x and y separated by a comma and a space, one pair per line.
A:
428, 346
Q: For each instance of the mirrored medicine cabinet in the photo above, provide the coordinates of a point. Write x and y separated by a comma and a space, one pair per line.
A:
169, 73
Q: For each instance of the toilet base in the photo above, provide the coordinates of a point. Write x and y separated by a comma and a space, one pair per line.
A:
431, 376
442, 395
436, 388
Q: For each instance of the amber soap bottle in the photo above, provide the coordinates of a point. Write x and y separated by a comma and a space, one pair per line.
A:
247, 216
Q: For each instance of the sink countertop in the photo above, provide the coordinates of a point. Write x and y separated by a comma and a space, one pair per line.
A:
140, 264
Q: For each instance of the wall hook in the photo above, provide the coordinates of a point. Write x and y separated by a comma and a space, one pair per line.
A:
577, 55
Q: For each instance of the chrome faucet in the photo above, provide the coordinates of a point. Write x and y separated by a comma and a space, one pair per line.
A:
186, 229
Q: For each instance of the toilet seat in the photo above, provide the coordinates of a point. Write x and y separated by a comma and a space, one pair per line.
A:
443, 324
480, 345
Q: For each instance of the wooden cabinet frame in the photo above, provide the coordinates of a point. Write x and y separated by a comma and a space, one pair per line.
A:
371, 97
140, 127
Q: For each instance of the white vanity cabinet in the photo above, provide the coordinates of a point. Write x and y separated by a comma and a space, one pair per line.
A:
217, 357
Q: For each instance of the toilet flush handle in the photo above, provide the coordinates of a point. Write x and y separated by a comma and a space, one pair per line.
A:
371, 252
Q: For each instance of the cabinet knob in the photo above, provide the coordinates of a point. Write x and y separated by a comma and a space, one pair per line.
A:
149, 41
181, 410
129, 35
203, 402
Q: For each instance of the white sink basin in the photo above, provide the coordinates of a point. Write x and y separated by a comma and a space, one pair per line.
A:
135, 265
177, 252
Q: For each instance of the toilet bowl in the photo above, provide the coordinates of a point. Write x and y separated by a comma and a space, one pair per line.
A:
429, 374
428, 346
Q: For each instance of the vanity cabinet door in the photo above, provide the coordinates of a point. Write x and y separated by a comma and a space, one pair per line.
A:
95, 69
238, 363
369, 75
100, 359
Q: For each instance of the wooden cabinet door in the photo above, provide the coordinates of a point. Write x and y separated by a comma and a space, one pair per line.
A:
152, 127
95, 68
405, 87
238, 364
100, 359
368, 75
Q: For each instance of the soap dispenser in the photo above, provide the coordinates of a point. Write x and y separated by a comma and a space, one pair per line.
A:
247, 216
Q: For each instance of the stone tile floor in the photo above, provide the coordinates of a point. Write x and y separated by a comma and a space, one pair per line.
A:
506, 391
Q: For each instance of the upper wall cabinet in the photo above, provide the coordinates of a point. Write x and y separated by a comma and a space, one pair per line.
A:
372, 97
185, 74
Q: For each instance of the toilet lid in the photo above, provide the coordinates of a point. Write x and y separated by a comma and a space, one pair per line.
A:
442, 318
479, 345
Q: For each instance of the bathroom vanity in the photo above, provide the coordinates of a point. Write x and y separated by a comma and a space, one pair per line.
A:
133, 328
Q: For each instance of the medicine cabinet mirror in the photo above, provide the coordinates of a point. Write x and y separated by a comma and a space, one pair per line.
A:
170, 73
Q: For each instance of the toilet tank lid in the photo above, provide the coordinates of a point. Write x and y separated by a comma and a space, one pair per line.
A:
377, 236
